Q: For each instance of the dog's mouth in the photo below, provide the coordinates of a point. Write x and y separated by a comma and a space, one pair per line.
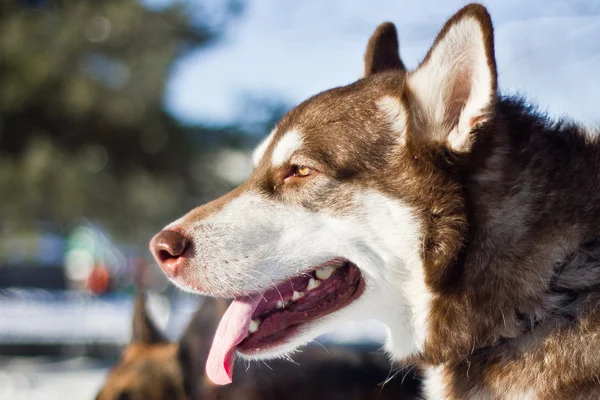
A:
262, 321
301, 299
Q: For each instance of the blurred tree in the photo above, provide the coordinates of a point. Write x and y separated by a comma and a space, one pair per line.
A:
82, 128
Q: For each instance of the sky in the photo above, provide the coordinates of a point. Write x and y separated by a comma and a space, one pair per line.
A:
287, 51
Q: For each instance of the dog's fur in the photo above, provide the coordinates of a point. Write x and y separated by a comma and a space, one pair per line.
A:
152, 368
472, 217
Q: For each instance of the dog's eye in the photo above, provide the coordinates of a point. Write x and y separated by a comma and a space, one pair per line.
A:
300, 171
303, 170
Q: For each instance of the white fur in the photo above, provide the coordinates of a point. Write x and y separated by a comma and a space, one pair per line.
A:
394, 113
287, 145
435, 388
433, 384
260, 150
457, 62
524, 395
254, 242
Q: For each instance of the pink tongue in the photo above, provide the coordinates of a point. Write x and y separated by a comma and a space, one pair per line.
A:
232, 329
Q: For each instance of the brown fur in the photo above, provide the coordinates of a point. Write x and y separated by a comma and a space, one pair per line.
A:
499, 325
155, 369
383, 52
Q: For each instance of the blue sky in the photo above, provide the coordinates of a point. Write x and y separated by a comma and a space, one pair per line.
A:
290, 50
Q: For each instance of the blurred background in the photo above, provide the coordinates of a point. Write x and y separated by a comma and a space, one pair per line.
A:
118, 116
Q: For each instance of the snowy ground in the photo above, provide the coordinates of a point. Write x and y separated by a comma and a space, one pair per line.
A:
42, 316
49, 379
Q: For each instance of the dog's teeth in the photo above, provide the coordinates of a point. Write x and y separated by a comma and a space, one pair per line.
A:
297, 295
313, 284
280, 304
254, 324
325, 272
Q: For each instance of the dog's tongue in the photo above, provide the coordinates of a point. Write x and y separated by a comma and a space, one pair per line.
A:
232, 329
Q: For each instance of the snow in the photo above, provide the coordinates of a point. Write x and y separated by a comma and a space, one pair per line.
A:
47, 379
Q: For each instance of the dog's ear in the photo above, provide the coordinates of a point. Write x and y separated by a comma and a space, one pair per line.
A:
143, 329
383, 51
454, 88
195, 344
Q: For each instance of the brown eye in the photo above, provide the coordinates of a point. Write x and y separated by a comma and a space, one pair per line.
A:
303, 170
299, 171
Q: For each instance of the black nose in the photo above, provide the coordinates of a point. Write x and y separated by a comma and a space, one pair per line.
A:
168, 247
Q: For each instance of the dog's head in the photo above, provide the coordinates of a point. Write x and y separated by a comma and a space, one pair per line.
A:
355, 208
151, 367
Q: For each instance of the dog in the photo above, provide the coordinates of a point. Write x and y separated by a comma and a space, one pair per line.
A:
463, 219
151, 367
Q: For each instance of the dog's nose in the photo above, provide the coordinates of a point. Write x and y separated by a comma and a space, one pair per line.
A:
168, 247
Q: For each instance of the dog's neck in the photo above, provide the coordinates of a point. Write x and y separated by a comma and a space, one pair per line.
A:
533, 199
531, 265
